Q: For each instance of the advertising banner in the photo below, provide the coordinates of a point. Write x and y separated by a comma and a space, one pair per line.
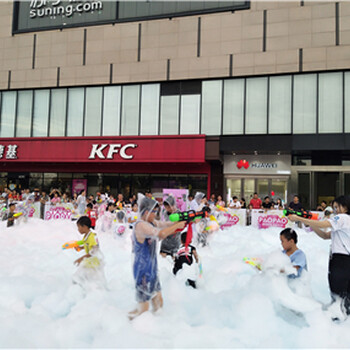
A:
53, 212
180, 195
271, 218
79, 185
233, 217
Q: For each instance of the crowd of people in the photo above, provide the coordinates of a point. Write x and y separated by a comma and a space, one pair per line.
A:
150, 221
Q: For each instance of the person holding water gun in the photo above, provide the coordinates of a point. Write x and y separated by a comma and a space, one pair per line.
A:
90, 265
339, 263
145, 236
170, 244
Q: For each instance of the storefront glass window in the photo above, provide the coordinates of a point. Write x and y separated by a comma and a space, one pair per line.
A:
249, 189
111, 111
330, 102
24, 113
65, 183
233, 106
347, 183
178, 181
256, 106
279, 188
75, 112
93, 104
158, 183
58, 112
130, 110
211, 107
280, 105
169, 115
263, 188
8, 112
150, 109
304, 189
347, 101
233, 188
197, 183
95, 184
36, 180
140, 183
304, 103
50, 181
41, 112
190, 105
111, 183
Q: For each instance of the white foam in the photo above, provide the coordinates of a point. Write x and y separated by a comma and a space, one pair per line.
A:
235, 306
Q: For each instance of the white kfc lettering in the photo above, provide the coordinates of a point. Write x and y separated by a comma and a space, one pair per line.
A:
97, 151
123, 149
113, 149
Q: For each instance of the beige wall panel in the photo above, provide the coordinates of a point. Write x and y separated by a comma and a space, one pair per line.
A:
287, 68
314, 55
3, 79
323, 39
323, 10
300, 13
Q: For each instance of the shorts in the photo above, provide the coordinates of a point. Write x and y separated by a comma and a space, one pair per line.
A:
145, 291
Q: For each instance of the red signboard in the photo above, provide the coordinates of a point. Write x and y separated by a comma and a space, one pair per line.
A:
141, 149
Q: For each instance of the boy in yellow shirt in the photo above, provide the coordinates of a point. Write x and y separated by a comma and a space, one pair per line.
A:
91, 264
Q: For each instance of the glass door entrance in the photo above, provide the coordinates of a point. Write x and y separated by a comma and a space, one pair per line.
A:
245, 187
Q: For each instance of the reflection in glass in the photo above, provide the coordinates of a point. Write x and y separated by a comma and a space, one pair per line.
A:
211, 107
169, 115
58, 112
233, 106
111, 111
256, 106
93, 111
150, 109
190, 105
75, 116
280, 106
24, 113
8, 112
304, 103
130, 110
41, 112
330, 102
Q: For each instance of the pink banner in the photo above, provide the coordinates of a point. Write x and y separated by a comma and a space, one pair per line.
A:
272, 221
55, 213
79, 185
180, 195
232, 220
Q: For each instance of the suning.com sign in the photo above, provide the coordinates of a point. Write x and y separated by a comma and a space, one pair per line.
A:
49, 14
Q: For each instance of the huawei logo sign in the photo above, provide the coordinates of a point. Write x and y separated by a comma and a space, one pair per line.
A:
243, 163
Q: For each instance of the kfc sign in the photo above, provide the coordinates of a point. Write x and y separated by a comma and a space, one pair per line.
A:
99, 151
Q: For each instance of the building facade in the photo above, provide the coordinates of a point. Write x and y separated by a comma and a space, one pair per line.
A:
260, 88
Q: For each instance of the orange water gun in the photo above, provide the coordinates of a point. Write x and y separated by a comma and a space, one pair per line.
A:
222, 208
77, 245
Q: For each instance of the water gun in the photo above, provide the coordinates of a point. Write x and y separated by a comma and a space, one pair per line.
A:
77, 245
302, 213
255, 262
222, 208
190, 215
17, 215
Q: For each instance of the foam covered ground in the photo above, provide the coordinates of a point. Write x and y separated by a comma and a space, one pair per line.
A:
234, 306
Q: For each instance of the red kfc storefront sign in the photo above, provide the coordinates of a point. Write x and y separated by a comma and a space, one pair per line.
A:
142, 149
184, 154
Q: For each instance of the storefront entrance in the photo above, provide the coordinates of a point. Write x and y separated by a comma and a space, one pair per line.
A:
317, 186
245, 187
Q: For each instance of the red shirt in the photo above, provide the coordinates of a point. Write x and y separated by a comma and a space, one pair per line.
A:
93, 216
256, 203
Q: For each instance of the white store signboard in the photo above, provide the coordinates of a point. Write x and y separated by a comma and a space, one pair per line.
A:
257, 165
